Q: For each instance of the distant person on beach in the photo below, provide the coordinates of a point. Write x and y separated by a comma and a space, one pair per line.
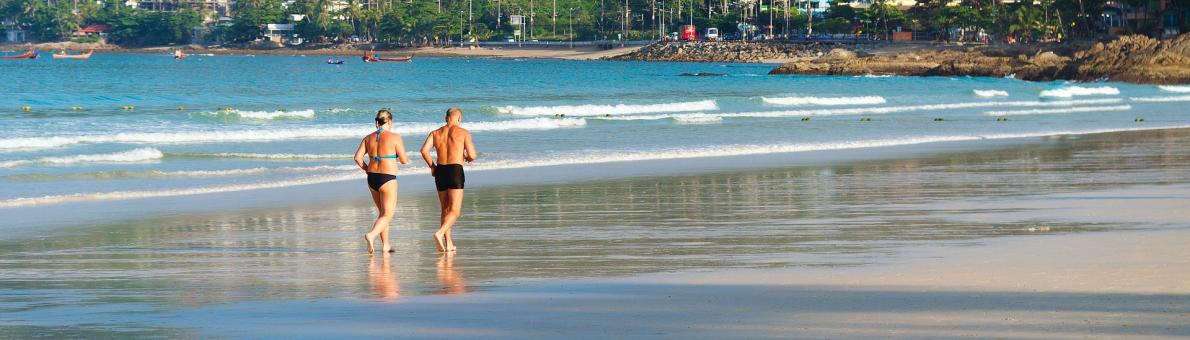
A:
453, 145
375, 155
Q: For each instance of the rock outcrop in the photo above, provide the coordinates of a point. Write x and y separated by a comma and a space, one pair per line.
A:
1136, 59
725, 51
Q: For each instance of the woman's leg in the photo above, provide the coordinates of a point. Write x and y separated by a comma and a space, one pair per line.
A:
370, 237
390, 207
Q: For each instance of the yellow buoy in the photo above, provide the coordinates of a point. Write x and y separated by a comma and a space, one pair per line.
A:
76, 108
180, 108
26, 108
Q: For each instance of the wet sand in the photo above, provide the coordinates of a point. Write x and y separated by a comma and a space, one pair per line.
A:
1079, 236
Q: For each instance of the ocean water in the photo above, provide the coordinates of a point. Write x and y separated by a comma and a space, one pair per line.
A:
122, 126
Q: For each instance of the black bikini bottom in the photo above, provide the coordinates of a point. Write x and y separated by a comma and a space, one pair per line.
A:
375, 180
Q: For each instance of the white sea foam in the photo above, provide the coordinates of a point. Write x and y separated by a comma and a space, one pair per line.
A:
825, 101
873, 110
1175, 88
275, 114
990, 93
1063, 110
590, 157
256, 135
602, 110
294, 156
1071, 91
176, 174
1161, 99
698, 119
134, 155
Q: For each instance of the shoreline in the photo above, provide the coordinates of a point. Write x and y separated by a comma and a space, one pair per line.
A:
99, 211
511, 52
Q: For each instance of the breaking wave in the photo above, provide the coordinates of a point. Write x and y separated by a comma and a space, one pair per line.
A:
1161, 99
990, 93
134, 155
257, 135
1175, 88
603, 110
825, 101
1065, 110
1071, 91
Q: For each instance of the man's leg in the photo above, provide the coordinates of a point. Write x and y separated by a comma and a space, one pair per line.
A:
456, 209
440, 235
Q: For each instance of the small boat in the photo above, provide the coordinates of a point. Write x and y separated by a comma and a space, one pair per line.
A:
64, 55
31, 54
370, 57
334, 62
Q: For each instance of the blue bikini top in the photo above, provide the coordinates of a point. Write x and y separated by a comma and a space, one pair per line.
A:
378, 158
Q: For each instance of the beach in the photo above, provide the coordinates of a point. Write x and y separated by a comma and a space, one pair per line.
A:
215, 197
1051, 238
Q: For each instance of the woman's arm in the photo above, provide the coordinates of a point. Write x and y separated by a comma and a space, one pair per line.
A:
401, 149
360, 155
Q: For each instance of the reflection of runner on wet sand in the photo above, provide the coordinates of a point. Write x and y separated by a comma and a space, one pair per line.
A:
382, 278
448, 277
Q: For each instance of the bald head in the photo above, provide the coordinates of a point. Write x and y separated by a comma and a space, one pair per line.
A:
454, 115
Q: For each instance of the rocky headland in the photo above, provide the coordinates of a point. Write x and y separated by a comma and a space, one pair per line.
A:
1134, 59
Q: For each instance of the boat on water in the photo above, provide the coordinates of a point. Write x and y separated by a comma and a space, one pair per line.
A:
31, 54
371, 57
64, 55
334, 62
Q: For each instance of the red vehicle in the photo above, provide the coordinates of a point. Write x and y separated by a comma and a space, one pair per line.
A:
689, 33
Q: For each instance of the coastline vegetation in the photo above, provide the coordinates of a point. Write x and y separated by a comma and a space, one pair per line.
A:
424, 22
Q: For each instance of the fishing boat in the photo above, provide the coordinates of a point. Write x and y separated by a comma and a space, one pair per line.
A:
31, 54
64, 55
370, 57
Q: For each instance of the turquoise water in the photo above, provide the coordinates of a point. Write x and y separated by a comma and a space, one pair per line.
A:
295, 120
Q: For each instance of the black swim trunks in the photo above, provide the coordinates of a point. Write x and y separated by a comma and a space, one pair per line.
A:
449, 176
377, 180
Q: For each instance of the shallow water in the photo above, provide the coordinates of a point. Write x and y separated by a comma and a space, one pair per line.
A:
295, 120
116, 279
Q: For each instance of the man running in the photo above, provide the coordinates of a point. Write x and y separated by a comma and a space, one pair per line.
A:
453, 145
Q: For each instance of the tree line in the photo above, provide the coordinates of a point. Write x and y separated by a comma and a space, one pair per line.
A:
428, 21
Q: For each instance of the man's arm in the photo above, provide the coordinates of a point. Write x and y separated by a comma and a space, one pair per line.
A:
469, 149
425, 152
360, 154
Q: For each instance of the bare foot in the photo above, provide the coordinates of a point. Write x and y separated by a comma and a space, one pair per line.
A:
389, 249
369, 239
439, 242
450, 245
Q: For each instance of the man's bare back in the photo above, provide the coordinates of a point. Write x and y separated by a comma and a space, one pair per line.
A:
453, 143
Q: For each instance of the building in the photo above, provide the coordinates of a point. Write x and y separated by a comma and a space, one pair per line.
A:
97, 30
220, 8
1162, 15
13, 33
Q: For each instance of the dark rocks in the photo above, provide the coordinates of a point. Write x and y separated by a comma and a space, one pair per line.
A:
1135, 59
724, 51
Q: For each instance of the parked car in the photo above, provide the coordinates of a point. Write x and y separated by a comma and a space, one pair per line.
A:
712, 34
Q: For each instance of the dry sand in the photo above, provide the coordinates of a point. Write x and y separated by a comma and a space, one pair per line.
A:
1121, 284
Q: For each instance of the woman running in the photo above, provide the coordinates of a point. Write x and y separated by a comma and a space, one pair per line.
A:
379, 150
